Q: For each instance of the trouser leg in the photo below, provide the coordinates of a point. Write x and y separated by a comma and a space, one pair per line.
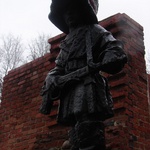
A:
87, 133
90, 135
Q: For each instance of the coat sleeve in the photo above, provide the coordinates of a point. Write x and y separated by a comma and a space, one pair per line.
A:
60, 64
50, 80
109, 51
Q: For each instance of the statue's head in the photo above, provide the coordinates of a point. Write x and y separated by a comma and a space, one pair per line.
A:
67, 13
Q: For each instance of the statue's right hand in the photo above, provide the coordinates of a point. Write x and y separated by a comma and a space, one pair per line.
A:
51, 86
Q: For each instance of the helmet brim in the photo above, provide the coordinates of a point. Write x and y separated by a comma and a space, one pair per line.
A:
58, 8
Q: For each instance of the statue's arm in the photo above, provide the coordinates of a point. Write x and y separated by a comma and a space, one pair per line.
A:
58, 70
50, 91
110, 52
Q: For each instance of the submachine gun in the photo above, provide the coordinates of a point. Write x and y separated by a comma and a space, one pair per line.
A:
59, 82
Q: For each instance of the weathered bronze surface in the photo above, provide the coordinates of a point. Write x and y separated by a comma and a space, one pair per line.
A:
88, 49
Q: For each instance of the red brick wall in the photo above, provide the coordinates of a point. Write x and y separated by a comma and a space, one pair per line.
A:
23, 127
130, 126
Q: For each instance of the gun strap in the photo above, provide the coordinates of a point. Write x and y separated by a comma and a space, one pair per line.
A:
90, 62
89, 46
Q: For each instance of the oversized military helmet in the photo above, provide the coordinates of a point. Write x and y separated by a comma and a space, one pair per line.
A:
58, 7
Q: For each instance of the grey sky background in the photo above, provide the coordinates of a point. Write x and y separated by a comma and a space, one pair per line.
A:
28, 18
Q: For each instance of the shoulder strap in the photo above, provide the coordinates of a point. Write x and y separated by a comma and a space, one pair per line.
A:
90, 62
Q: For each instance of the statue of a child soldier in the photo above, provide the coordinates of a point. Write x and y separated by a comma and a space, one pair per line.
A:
85, 101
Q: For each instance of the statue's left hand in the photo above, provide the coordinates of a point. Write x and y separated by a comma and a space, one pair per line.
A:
113, 62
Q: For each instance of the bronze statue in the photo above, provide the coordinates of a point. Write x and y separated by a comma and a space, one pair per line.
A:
88, 49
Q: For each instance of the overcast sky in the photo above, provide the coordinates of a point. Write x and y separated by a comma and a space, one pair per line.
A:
28, 18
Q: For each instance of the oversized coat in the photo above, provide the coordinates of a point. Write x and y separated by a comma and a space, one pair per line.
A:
89, 95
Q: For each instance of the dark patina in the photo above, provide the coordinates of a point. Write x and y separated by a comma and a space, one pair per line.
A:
87, 50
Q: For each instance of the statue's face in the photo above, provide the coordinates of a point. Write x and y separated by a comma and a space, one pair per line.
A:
72, 17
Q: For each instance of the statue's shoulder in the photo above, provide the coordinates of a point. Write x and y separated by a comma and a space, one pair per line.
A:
97, 29
97, 32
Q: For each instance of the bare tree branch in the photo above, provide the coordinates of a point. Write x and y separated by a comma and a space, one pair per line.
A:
11, 51
148, 62
39, 46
